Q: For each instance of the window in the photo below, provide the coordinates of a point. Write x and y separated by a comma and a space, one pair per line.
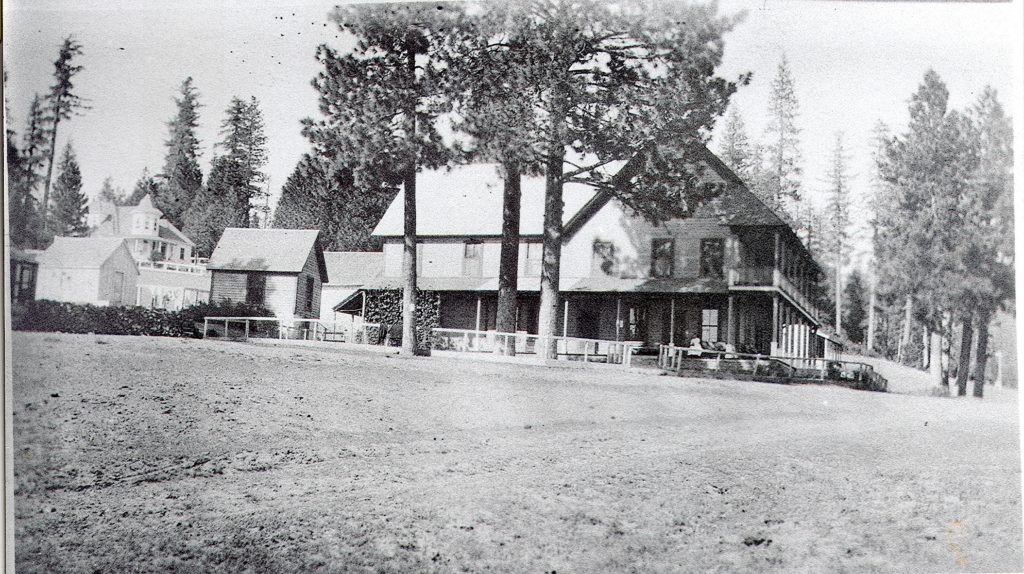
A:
534, 252
182, 254
603, 259
255, 288
662, 254
709, 325
309, 294
471, 259
712, 258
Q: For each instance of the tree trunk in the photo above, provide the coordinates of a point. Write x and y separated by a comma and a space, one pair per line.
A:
926, 353
409, 267
839, 299
963, 371
871, 316
508, 271
45, 206
935, 358
905, 336
409, 255
982, 361
552, 250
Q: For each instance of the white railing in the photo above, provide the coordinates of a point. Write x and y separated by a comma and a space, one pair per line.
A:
573, 348
244, 328
172, 266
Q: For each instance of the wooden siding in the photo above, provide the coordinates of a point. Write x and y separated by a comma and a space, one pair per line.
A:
309, 270
111, 289
228, 286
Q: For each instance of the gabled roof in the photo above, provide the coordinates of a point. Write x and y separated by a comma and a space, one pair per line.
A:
80, 252
273, 250
467, 201
353, 267
736, 205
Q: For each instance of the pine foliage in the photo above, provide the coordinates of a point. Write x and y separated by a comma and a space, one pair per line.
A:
69, 201
182, 177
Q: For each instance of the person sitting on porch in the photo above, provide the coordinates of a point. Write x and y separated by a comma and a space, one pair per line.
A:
696, 349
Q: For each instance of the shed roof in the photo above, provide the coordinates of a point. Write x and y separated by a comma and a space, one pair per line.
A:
80, 252
353, 267
274, 250
467, 201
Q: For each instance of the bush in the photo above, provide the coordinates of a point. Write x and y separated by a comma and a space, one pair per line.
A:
53, 316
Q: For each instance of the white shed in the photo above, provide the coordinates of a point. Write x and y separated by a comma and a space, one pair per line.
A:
96, 270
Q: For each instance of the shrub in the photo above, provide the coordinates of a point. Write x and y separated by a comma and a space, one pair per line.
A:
53, 316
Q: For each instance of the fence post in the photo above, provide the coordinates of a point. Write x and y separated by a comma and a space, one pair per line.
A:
225, 328
206, 326
246, 329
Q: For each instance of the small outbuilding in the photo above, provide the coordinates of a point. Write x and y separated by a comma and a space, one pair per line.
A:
24, 270
96, 270
281, 269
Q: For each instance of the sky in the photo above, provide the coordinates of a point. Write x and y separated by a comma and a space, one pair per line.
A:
853, 63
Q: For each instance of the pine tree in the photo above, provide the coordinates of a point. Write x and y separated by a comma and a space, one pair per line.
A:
986, 250
109, 194
24, 172
501, 126
215, 207
182, 178
379, 108
783, 143
69, 201
839, 221
145, 185
316, 196
922, 222
855, 312
736, 151
245, 144
618, 82
62, 103
23, 213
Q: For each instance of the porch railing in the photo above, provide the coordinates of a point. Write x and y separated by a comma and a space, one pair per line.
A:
244, 328
572, 348
698, 359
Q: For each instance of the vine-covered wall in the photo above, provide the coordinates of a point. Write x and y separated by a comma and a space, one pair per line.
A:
384, 306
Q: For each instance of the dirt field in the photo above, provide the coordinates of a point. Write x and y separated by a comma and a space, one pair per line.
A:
148, 454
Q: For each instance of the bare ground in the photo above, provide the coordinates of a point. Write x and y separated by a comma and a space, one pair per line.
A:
150, 454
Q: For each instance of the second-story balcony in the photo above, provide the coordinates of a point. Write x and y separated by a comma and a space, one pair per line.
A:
196, 268
741, 277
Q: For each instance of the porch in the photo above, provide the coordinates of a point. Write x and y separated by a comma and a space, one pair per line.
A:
754, 322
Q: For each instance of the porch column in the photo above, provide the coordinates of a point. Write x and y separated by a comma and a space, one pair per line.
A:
478, 305
672, 321
565, 319
775, 321
363, 312
730, 322
618, 318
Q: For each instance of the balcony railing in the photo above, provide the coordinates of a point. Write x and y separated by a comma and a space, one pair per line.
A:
771, 277
172, 266
752, 276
